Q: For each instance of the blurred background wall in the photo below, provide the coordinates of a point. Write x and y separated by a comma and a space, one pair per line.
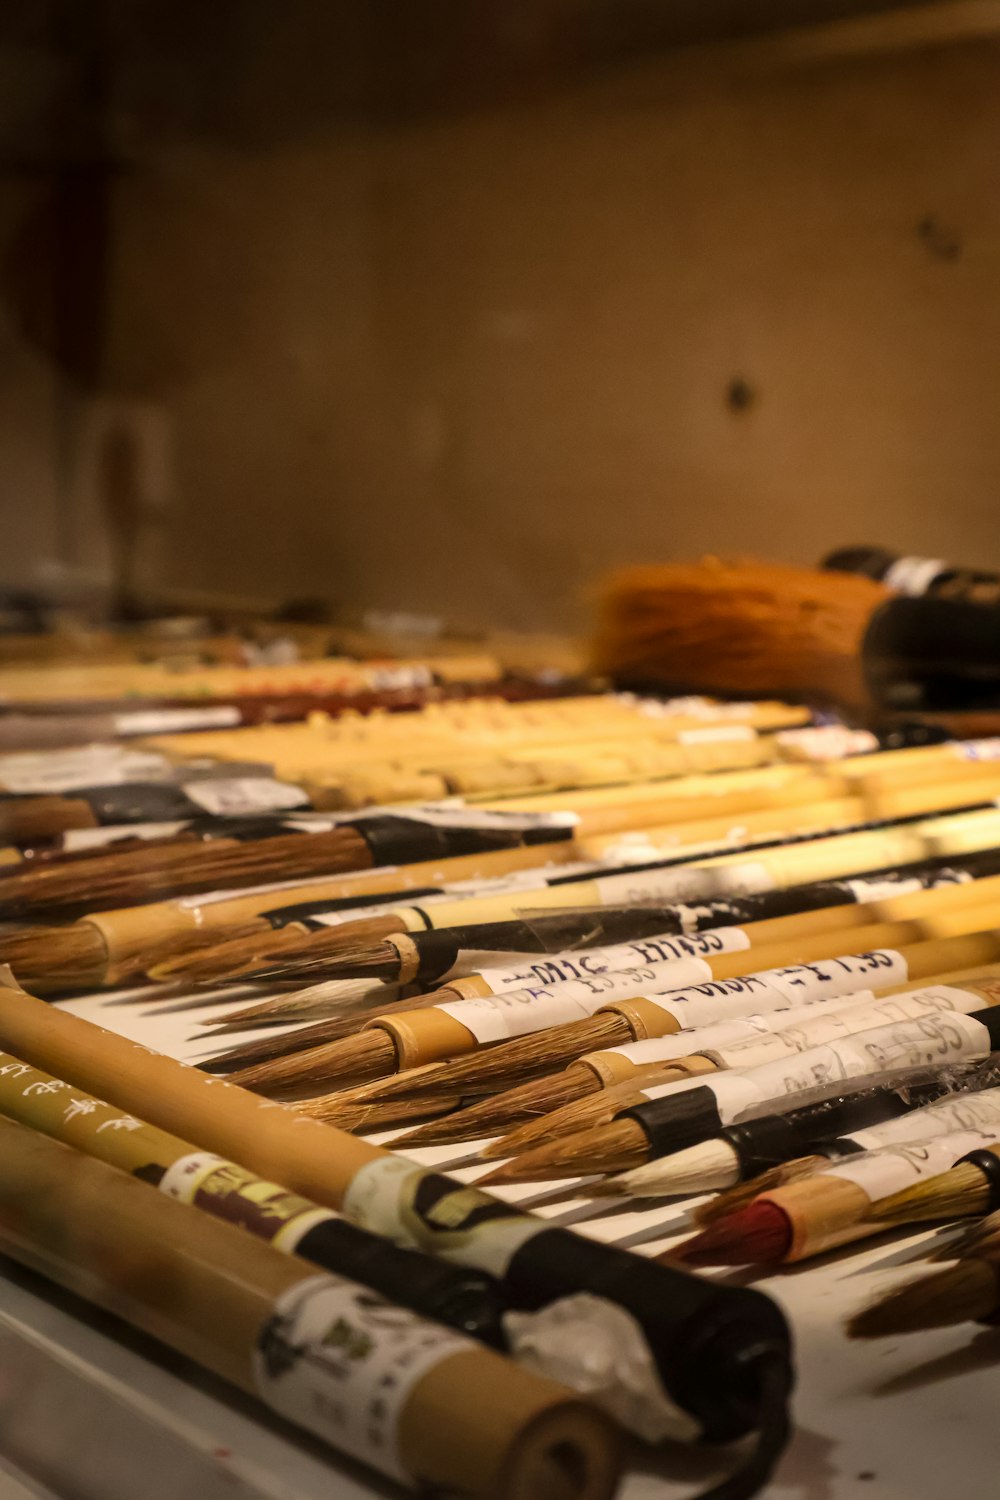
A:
448, 307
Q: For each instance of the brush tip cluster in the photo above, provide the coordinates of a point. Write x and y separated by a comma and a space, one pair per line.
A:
962, 1293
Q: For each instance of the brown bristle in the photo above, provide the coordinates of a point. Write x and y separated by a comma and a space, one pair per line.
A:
369, 1054
260, 950
734, 1198
221, 959
284, 1043
979, 1238
281, 1044
507, 1063
49, 959
963, 1293
955, 1194
140, 876
567, 1119
740, 628
190, 943
490, 1115
612, 1148
334, 1109
759, 1234
353, 963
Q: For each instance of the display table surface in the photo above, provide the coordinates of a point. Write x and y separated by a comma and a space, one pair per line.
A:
88, 1409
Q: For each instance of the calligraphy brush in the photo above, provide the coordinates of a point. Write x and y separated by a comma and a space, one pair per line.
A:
251, 1315
968, 1292
673, 1116
651, 1014
738, 628
200, 797
439, 955
133, 878
460, 1297
320, 1002
281, 1044
493, 976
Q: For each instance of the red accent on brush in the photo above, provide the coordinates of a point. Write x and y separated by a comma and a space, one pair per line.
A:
758, 1234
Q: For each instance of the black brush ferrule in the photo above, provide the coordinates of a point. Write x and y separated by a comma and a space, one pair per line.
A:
984, 1161
677, 1120
706, 1339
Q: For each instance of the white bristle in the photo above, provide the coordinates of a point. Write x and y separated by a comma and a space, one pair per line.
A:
707, 1167
334, 996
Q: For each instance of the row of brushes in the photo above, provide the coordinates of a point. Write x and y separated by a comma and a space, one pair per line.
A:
121, 942
820, 1007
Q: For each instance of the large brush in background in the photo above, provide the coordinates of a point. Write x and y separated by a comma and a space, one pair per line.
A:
734, 627
821, 635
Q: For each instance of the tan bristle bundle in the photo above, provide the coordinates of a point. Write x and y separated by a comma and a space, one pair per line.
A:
280, 1044
963, 1293
739, 628
267, 948
381, 962
612, 1148
956, 1194
219, 960
734, 1198
566, 1119
335, 1109
507, 1063
52, 958
367, 1055
488, 1116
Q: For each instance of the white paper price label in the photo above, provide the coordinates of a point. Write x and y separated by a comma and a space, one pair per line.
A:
556, 967
894, 1168
243, 795
339, 1361
958, 1112
494, 1018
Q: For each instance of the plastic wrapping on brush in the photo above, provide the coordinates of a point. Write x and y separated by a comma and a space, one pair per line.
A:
823, 1128
690, 1113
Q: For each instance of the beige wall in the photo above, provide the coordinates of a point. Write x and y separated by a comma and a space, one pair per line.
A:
465, 365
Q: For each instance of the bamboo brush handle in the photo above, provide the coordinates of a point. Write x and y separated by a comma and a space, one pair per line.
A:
823, 1213
312, 1159
760, 784
926, 957
213, 1293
